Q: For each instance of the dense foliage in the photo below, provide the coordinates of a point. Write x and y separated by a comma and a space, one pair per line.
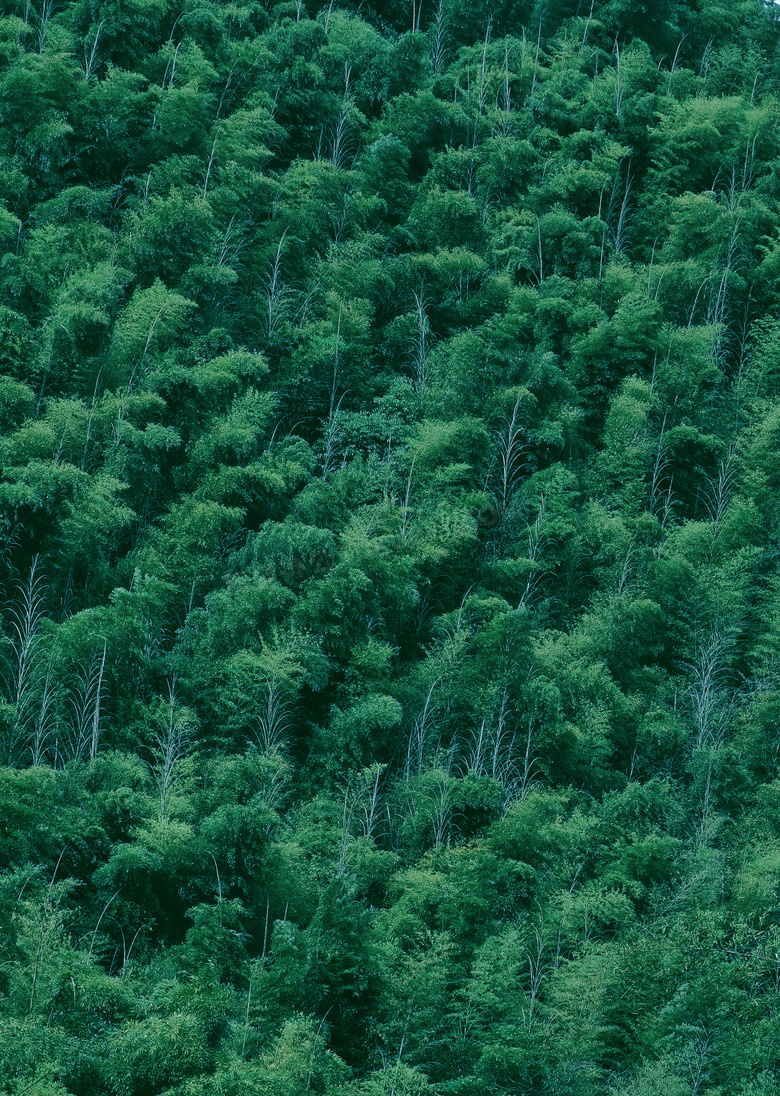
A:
389, 509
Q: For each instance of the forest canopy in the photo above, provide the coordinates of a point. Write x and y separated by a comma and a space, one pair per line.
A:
389, 522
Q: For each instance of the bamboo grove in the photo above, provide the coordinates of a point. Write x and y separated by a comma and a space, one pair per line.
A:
389, 518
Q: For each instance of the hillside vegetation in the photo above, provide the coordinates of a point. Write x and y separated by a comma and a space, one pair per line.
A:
389, 524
